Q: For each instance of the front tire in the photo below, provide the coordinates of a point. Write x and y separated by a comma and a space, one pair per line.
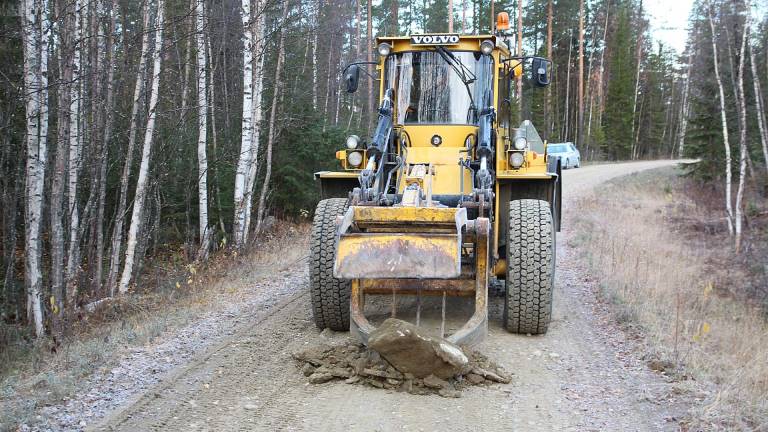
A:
530, 267
330, 296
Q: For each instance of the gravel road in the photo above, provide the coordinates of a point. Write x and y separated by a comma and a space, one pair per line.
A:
582, 375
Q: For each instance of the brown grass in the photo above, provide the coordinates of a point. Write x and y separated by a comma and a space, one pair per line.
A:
45, 372
669, 268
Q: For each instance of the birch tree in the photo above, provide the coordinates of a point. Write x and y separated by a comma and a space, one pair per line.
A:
35, 46
724, 124
75, 139
202, 125
117, 231
272, 118
141, 182
580, 121
742, 131
684, 111
759, 106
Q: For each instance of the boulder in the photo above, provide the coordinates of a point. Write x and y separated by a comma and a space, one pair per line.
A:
412, 350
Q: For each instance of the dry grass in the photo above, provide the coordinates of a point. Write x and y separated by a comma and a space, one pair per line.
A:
45, 372
679, 286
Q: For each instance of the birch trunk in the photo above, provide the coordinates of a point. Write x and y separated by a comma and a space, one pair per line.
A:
684, 110
141, 183
724, 124
742, 132
59, 167
75, 139
638, 60
548, 105
35, 46
258, 90
314, 54
202, 125
760, 106
272, 120
369, 46
580, 118
519, 90
244, 161
117, 231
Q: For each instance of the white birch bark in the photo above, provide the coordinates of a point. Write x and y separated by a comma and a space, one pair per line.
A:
258, 91
684, 109
246, 142
202, 124
724, 124
141, 183
742, 132
272, 120
760, 106
314, 54
117, 232
75, 140
35, 46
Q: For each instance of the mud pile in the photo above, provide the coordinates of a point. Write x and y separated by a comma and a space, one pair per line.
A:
353, 363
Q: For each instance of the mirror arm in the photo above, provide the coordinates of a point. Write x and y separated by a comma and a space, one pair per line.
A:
343, 71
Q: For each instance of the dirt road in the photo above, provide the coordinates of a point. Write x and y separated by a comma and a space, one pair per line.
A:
582, 375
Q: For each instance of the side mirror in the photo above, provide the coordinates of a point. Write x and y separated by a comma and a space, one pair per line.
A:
352, 77
540, 71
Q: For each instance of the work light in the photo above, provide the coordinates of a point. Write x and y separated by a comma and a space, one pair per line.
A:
516, 160
355, 159
487, 46
384, 49
520, 143
353, 141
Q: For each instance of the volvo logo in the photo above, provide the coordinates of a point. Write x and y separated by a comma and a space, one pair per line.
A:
435, 39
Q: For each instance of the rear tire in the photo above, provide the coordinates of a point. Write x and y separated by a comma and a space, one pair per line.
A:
530, 267
330, 296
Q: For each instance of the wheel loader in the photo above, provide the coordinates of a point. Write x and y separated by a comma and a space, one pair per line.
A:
448, 193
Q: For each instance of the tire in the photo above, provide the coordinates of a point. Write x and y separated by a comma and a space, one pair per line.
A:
530, 267
330, 296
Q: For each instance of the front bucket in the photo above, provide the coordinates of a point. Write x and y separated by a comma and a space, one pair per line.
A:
399, 243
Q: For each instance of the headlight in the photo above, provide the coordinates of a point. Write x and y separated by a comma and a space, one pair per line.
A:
487, 46
353, 141
516, 160
520, 143
355, 159
436, 140
384, 49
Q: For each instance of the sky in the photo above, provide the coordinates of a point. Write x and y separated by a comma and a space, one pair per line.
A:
669, 19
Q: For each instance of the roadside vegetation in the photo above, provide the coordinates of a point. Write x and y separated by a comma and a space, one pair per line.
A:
49, 372
662, 255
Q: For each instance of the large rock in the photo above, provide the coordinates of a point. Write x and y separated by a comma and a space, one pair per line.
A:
412, 350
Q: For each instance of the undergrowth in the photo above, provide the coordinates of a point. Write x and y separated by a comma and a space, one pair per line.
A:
666, 263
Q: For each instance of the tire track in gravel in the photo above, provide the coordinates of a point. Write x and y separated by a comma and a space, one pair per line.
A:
581, 375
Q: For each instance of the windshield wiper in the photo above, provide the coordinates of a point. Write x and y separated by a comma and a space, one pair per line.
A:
467, 76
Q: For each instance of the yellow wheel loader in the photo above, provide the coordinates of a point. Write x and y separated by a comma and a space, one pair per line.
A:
447, 194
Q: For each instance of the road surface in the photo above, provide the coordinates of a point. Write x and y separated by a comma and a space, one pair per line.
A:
581, 375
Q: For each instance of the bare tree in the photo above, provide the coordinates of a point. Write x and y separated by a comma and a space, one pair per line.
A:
272, 119
245, 159
759, 106
202, 125
724, 122
141, 182
122, 204
580, 121
35, 44
684, 108
742, 131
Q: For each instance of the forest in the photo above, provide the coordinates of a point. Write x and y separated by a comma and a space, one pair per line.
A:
134, 133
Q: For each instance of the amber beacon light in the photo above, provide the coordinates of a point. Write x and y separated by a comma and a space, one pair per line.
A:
502, 21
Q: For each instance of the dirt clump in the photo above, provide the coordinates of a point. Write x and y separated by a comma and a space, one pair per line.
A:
355, 364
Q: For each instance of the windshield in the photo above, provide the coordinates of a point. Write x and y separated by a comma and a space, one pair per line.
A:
429, 90
557, 149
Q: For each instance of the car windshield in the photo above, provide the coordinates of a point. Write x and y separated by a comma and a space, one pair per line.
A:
429, 91
557, 148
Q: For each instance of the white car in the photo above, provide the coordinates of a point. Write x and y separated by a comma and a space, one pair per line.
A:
567, 152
